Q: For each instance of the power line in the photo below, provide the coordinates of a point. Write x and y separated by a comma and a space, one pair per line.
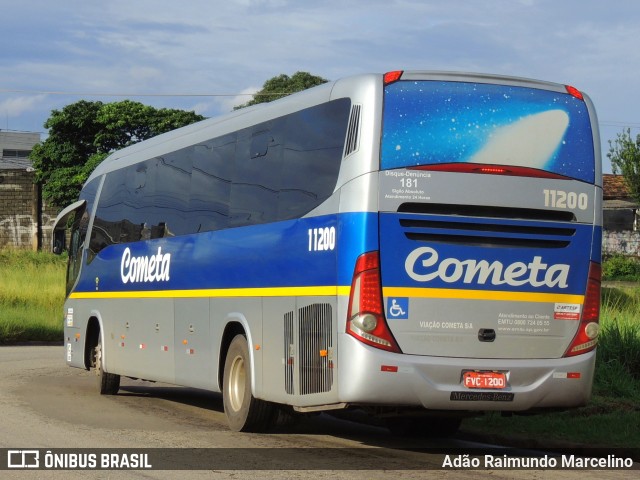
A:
94, 94
613, 123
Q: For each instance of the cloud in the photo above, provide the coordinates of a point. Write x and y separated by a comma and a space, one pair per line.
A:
228, 103
228, 47
19, 105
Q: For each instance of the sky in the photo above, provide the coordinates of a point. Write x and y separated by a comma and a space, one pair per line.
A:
207, 55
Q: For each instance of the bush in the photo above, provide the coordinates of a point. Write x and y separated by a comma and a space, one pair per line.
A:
619, 267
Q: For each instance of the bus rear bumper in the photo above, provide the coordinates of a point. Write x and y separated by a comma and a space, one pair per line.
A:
369, 376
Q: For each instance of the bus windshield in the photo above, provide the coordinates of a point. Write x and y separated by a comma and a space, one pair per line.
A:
438, 122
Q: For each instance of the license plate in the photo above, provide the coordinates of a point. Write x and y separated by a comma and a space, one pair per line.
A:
486, 380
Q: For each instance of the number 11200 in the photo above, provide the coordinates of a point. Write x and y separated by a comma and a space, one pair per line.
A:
567, 200
322, 239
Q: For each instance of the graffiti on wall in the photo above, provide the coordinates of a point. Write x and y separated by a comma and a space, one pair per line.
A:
625, 243
21, 231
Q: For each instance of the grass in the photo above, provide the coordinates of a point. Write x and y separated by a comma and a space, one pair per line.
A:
31, 296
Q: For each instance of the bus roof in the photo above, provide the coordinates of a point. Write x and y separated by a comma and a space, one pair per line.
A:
238, 119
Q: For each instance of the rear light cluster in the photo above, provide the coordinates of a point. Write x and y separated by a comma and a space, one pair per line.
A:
365, 319
574, 92
587, 337
391, 77
510, 170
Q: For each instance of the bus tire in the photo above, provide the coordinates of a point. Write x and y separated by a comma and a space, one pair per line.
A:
244, 412
107, 383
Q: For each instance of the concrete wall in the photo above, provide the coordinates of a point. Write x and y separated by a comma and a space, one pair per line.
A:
625, 243
24, 222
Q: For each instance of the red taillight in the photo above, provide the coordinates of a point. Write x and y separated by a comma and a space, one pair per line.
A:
574, 92
391, 77
587, 337
489, 170
365, 319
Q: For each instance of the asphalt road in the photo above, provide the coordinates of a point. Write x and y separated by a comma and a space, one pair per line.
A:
44, 404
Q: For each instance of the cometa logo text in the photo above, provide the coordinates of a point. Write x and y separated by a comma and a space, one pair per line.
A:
153, 268
423, 265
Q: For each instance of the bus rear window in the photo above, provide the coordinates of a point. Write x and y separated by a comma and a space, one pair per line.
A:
436, 122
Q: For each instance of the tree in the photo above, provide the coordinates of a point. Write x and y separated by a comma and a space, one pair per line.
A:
82, 134
283, 85
624, 154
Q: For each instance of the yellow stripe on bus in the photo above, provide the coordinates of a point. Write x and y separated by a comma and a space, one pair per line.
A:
482, 295
325, 291
319, 291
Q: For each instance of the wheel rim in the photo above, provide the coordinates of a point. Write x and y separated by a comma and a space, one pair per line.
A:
237, 377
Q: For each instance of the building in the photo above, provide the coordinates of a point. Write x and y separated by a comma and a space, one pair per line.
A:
620, 209
621, 227
25, 222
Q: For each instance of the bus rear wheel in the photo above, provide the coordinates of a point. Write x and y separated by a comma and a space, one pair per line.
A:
244, 412
107, 383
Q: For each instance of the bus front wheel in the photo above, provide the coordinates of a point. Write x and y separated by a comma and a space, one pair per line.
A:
107, 383
244, 412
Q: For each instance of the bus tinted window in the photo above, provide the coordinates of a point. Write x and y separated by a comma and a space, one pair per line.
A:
211, 176
256, 176
432, 122
172, 188
312, 155
273, 171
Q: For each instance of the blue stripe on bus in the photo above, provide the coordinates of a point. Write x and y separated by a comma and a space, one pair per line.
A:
512, 260
291, 254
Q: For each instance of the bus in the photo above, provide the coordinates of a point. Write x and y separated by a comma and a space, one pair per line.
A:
420, 246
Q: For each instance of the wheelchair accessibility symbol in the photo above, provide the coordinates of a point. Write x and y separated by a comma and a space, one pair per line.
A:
398, 308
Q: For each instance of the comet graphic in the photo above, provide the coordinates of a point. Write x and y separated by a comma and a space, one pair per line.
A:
430, 123
530, 141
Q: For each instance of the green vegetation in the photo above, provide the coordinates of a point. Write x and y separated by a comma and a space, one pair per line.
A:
624, 153
618, 367
283, 85
621, 268
82, 134
31, 296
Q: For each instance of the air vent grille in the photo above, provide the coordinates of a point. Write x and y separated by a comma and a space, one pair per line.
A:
486, 211
353, 132
487, 226
308, 362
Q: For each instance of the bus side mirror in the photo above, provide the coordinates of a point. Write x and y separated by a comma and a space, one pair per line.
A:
59, 237
59, 241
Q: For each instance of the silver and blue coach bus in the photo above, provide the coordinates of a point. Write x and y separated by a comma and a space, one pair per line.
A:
419, 244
